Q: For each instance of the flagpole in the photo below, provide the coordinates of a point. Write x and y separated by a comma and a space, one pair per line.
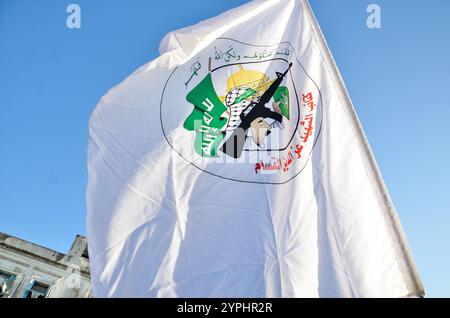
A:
404, 256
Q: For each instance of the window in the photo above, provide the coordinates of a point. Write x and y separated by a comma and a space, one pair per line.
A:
85, 253
36, 290
6, 281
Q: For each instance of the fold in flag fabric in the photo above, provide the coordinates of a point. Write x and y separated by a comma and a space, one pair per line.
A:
234, 165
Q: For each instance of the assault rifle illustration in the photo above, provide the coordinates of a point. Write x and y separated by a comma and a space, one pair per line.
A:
234, 145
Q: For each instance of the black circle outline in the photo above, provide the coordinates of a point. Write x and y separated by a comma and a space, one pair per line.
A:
246, 181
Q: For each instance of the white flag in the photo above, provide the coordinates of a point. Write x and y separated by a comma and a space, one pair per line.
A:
234, 165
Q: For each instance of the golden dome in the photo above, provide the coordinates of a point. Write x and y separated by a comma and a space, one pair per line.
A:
248, 78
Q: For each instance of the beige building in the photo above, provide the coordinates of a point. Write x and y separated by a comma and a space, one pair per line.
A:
28, 270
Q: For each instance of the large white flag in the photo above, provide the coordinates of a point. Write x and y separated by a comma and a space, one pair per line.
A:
234, 165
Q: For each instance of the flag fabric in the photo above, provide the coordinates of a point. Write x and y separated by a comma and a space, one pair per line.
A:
234, 165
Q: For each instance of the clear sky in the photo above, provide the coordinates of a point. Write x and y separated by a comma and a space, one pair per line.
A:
51, 78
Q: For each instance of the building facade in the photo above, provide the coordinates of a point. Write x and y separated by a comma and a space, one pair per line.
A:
28, 270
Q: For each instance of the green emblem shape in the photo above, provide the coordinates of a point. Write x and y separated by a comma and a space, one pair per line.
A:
282, 95
206, 118
249, 92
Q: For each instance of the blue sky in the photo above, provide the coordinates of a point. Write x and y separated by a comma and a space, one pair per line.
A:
51, 77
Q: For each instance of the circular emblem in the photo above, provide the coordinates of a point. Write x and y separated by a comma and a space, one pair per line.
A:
243, 112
